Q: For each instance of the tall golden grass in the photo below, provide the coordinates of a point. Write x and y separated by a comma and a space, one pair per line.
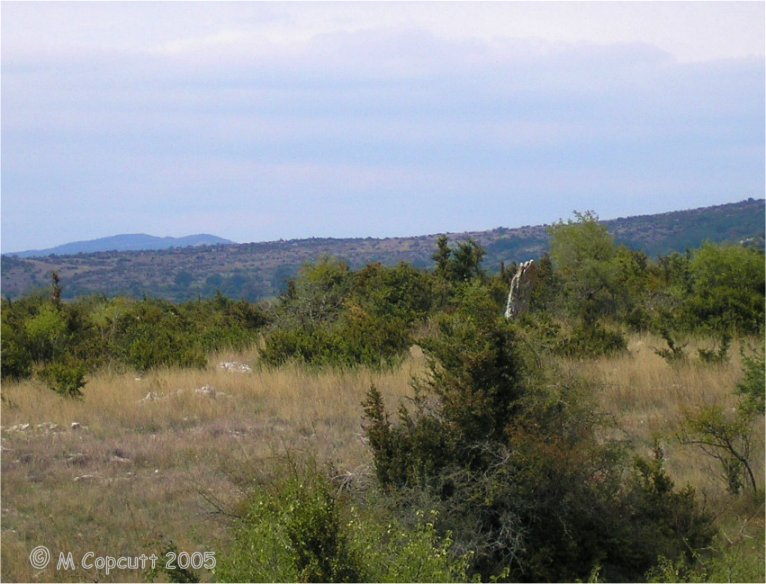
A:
139, 472
650, 398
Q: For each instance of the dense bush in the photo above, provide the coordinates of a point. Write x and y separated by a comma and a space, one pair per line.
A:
717, 289
591, 340
67, 379
301, 529
58, 338
512, 461
727, 289
751, 388
333, 316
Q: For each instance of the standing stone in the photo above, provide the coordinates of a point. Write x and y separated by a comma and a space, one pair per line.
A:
521, 289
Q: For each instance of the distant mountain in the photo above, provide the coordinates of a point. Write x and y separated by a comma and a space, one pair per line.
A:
255, 271
125, 242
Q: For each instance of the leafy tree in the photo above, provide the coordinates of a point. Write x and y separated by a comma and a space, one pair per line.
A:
318, 293
516, 464
547, 292
459, 264
582, 253
16, 355
46, 332
442, 256
727, 289
631, 287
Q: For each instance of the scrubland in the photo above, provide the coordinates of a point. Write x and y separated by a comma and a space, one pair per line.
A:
140, 462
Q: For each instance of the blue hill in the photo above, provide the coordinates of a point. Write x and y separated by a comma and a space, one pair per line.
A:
125, 242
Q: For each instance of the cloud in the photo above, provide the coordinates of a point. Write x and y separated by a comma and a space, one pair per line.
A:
359, 130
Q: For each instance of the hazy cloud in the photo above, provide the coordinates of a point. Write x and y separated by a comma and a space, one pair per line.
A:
255, 121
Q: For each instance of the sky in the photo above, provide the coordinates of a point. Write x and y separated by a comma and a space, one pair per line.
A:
262, 121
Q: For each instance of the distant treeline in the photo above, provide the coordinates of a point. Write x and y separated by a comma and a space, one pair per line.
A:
590, 291
258, 271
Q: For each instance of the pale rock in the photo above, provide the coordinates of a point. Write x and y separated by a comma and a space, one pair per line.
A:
235, 367
520, 293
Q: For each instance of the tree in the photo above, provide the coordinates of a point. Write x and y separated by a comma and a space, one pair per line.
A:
727, 289
516, 464
582, 253
458, 264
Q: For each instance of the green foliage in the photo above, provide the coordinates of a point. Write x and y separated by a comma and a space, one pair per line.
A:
583, 254
292, 532
591, 340
674, 353
631, 288
718, 355
516, 465
16, 356
66, 379
753, 387
401, 292
390, 551
727, 289
332, 316
726, 437
736, 554
300, 529
46, 332
679, 570
458, 264
95, 332
547, 292
155, 333
664, 520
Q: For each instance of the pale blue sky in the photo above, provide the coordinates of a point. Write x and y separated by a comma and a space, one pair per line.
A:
261, 121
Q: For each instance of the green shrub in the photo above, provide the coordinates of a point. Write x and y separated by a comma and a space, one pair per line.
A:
390, 551
300, 529
752, 387
513, 458
674, 353
458, 264
46, 332
728, 435
140, 334
293, 532
334, 317
67, 378
727, 289
591, 340
719, 354
16, 359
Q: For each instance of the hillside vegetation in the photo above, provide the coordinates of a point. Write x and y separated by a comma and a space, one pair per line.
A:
256, 271
125, 242
387, 423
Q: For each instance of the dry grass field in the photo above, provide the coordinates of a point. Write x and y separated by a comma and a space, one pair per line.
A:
141, 461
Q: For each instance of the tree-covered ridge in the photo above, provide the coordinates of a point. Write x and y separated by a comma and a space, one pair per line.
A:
255, 271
